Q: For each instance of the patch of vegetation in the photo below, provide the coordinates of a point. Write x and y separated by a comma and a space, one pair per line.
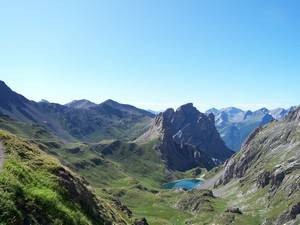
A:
36, 189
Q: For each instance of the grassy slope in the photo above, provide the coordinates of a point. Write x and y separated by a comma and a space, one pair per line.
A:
35, 189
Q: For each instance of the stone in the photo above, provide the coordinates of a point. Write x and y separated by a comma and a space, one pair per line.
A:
142, 221
233, 210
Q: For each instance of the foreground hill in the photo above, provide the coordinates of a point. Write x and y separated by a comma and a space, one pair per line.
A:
79, 120
36, 189
263, 179
234, 125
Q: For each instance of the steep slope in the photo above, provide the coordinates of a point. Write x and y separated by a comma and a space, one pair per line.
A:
37, 189
79, 120
187, 138
234, 125
263, 179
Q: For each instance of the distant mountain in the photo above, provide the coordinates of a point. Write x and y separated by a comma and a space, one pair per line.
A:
234, 125
153, 112
80, 104
187, 138
279, 113
81, 119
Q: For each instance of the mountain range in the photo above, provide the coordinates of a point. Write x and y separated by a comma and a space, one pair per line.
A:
235, 125
78, 120
87, 163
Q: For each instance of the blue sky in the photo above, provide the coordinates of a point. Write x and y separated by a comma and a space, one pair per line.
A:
153, 54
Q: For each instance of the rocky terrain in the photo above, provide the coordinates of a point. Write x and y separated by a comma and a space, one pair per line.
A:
264, 177
187, 139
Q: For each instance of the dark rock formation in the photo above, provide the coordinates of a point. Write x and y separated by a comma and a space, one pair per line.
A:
289, 215
189, 139
142, 221
234, 210
263, 179
277, 177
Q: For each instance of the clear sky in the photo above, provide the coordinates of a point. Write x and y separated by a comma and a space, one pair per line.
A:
153, 53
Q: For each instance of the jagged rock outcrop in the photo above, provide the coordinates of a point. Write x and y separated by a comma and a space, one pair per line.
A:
269, 164
142, 221
188, 138
263, 142
290, 215
234, 210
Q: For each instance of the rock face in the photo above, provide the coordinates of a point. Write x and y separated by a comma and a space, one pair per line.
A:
281, 137
234, 125
188, 138
233, 210
289, 215
142, 221
270, 160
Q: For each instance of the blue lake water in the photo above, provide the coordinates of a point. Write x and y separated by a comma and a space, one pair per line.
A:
187, 184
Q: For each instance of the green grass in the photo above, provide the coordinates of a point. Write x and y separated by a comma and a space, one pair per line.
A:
31, 190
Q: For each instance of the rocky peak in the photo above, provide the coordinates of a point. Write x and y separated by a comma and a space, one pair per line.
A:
213, 111
263, 110
188, 138
266, 119
294, 115
110, 102
187, 108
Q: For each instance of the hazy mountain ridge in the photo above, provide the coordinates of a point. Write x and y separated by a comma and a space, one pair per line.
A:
234, 124
80, 120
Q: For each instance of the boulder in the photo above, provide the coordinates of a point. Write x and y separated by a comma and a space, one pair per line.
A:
142, 221
233, 210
